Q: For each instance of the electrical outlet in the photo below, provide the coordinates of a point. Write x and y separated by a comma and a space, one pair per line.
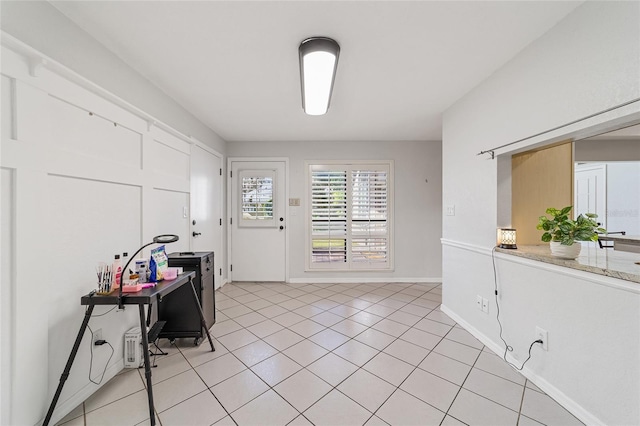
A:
479, 302
450, 210
485, 306
544, 336
97, 335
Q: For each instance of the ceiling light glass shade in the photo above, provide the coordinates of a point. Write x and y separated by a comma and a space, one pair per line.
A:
318, 64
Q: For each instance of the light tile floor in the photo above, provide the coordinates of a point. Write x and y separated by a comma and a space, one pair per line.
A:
327, 354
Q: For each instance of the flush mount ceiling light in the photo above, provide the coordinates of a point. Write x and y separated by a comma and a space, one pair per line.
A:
318, 64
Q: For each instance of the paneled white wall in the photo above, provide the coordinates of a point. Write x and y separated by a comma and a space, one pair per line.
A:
76, 130
7, 223
6, 125
82, 179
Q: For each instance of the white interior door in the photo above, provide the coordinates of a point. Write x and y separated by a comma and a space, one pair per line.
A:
206, 205
590, 191
258, 221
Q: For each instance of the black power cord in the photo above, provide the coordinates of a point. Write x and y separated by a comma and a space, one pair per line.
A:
507, 347
99, 343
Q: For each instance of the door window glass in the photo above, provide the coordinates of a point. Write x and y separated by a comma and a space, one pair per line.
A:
256, 198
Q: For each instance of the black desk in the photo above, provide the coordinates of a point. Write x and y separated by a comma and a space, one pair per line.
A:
144, 297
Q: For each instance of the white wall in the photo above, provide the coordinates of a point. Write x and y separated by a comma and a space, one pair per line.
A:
417, 203
43, 27
588, 63
82, 180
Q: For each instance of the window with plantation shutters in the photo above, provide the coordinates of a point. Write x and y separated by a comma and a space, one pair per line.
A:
349, 215
369, 226
328, 217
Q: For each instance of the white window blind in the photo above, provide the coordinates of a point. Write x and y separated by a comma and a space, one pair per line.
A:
369, 227
329, 216
350, 221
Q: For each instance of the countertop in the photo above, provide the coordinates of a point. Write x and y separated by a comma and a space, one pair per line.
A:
616, 264
629, 239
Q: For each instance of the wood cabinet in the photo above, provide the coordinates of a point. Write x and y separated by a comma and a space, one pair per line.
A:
539, 179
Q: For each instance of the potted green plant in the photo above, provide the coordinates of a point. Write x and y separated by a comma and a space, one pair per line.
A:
562, 232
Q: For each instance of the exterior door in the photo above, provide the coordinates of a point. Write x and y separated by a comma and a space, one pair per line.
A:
206, 205
258, 220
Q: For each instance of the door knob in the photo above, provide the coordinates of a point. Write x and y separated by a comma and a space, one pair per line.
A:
195, 234
281, 227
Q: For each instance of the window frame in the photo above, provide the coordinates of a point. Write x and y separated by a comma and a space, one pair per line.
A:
348, 166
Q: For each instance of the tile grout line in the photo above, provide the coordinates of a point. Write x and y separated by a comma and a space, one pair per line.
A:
524, 389
483, 396
463, 382
405, 379
205, 383
360, 310
249, 368
350, 338
405, 303
379, 351
331, 351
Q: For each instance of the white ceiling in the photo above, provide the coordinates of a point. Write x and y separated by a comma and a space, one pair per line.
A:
234, 64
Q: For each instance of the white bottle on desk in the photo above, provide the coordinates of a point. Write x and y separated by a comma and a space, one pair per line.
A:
116, 267
125, 259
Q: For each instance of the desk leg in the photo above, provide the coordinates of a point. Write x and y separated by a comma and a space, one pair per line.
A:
203, 322
67, 368
147, 364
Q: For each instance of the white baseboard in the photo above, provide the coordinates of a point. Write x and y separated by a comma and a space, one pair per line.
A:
569, 404
222, 284
364, 280
65, 407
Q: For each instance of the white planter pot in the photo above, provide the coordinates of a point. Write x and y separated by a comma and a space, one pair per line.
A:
565, 252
